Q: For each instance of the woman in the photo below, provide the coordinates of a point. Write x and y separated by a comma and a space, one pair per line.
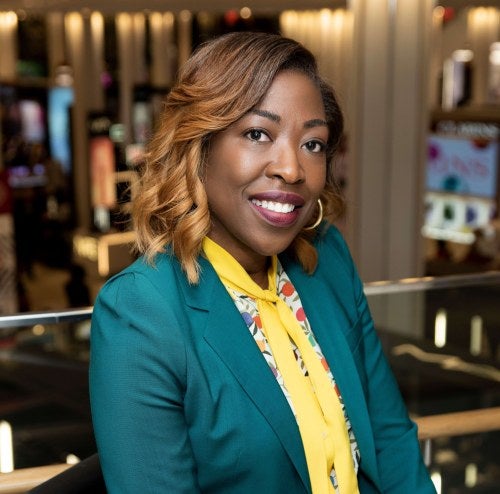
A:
238, 355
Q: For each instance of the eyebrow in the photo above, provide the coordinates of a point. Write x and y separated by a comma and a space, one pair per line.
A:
315, 122
266, 114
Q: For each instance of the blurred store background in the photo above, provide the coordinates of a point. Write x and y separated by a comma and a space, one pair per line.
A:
81, 86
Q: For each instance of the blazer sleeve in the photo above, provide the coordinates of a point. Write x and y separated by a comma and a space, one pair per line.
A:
399, 458
137, 376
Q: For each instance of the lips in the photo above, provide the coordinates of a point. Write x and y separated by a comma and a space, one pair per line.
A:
278, 208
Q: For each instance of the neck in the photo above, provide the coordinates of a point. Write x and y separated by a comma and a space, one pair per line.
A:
256, 265
260, 278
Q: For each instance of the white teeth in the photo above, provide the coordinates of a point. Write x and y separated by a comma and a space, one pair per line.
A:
277, 207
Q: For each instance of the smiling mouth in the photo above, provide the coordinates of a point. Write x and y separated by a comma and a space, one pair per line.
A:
276, 207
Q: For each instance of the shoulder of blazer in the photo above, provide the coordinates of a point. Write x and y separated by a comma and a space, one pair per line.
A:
166, 276
333, 250
335, 269
330, 245
160, 272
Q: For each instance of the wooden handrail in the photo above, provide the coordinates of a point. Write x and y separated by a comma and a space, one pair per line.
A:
22, 480
429, 427
458, 423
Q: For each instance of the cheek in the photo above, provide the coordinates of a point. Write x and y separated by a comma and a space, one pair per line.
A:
317, 178
217, 173
227, 164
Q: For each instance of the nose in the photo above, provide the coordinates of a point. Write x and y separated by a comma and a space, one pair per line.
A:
285, 164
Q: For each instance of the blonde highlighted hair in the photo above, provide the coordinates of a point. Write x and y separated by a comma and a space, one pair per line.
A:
221, 82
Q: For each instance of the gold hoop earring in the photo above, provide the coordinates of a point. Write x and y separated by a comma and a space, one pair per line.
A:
319, 219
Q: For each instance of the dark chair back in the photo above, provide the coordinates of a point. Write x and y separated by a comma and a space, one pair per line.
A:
83, 478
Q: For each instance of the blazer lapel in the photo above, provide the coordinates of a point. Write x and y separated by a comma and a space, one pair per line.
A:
227, 334
325, 322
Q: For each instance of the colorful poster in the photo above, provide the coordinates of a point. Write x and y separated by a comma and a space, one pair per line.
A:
466, 166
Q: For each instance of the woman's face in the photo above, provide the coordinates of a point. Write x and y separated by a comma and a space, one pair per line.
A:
266, 171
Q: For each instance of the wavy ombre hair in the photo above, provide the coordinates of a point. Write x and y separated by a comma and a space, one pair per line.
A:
221, 82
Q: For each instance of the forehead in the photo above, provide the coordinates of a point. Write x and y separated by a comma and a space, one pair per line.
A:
292, 90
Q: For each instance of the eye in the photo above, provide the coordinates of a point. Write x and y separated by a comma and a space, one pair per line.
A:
315, 146
257, 135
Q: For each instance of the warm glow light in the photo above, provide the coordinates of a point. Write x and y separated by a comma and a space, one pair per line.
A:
471, 475
38, 329
72, 459
463, 55
138, 21
8, 19
495, 54
6, 448
97, 21
155, 20
124, 22
11, 18
438, 11
338, 18
324, 18
85, 247
74, 25
158, 20
245, 13
105, 242
476, 335
185, 15
482, 17
288, 23
440, 328
168, 20
438, 17
327, 33
480, 14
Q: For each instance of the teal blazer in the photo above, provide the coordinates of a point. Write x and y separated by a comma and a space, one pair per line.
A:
183, 401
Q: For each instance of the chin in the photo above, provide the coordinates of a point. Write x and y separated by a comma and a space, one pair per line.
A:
274, 248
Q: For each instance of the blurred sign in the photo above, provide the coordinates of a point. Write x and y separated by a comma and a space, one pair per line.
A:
465, 166
102, 168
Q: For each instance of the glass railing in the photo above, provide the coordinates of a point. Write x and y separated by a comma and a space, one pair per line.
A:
441, 335
44, 406
442, 338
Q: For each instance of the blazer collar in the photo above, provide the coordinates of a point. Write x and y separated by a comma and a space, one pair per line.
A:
227, 334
